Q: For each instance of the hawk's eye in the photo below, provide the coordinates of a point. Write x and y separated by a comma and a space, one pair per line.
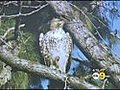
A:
59, 24
57, 59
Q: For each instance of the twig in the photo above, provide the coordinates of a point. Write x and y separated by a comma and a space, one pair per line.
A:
25, 6
10, 2
1, 39
6, 33
27, 39
98, 19
10, 29
33, 7
24, 15
22, 40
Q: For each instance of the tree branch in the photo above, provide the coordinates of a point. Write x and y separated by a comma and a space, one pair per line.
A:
24, 15
11, 29
87, 43
41, 70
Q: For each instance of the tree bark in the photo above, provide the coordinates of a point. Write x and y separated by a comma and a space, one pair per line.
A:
87, 43
41, 70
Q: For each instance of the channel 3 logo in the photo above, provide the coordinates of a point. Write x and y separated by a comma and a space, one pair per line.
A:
99, 74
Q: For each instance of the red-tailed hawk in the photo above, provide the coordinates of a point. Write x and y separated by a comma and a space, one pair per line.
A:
56, 46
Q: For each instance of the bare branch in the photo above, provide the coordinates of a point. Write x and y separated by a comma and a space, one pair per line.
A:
11, 29
23, 15
34, 7
25, 6
10, 2
6, 33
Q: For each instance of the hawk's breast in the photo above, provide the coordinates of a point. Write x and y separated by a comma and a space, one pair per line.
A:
58, 44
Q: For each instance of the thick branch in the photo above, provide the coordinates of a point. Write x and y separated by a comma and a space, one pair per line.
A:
41, 70
87, 43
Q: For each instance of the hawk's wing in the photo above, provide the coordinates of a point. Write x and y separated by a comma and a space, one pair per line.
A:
43, 49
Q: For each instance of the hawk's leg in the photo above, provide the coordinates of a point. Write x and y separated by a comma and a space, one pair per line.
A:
56, 64
45, 62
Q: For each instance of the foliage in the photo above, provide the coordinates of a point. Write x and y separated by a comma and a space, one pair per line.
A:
6, 24
28, 47
20, 80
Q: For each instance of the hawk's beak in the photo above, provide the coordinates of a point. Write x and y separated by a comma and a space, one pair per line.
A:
63, 19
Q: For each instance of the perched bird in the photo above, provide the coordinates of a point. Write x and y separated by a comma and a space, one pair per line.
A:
56, 46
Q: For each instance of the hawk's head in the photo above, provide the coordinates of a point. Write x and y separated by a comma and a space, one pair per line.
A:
56, 24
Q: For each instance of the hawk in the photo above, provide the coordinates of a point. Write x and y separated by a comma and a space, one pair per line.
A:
56, 46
